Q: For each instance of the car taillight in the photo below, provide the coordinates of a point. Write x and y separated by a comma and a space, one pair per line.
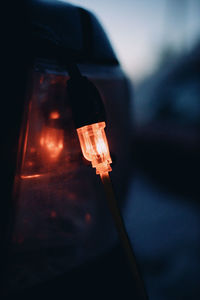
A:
50, 142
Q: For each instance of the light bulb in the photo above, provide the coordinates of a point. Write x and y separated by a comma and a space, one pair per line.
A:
94, 146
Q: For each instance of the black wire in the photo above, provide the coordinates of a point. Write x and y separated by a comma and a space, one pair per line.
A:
124, 238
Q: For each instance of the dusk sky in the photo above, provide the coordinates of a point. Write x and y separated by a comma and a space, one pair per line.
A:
140, 29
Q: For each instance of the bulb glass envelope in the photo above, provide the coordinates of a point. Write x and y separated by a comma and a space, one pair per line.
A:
94, 146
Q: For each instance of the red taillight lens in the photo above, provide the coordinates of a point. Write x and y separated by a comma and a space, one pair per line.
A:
50, 144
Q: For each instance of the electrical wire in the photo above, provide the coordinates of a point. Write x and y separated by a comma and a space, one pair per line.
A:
120, 226
75, 74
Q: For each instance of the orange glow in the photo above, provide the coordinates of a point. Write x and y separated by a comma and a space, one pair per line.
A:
52, 142
32, 150
88, 218
30, 176
54, 115
29, 163
94, 146
53, 214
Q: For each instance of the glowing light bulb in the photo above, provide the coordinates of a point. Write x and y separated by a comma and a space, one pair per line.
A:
94, 146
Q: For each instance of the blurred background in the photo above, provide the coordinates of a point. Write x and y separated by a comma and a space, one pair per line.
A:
158, 45
146, 33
